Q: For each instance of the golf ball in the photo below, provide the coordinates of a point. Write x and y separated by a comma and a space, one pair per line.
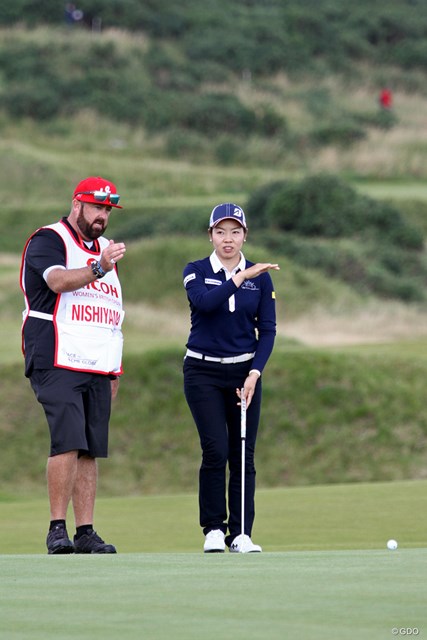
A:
392, 544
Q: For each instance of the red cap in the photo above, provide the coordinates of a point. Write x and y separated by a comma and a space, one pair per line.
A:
102, 190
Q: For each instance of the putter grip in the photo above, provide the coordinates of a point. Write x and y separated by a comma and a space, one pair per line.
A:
242, 414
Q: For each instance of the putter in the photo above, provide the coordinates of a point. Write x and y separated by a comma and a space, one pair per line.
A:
243, 440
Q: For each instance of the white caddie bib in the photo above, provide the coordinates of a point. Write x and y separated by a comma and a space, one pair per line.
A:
87, 321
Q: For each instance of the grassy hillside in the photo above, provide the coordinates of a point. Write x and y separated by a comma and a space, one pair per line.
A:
348, 408
329, 124
327, 417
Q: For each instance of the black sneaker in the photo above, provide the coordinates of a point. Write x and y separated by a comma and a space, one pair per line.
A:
57, 540
92, 543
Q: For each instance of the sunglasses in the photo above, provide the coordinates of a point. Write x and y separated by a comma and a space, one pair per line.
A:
101, 196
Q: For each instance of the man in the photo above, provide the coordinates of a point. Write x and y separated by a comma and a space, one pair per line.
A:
386, 99
72, 342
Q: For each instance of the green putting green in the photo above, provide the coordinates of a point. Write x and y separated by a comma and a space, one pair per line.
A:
325, 573
306, 595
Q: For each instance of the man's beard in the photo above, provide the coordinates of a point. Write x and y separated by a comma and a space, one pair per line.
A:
87, 229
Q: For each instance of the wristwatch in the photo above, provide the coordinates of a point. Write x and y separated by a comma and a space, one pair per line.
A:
97, 270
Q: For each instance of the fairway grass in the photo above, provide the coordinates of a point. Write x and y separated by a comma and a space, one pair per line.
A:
317, 595
358, 516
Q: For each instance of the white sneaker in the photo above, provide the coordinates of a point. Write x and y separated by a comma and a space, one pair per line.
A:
214, 541
243, 544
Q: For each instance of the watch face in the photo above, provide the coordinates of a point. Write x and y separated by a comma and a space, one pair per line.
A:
97, 270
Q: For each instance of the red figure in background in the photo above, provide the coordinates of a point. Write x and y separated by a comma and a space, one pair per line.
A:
386, 99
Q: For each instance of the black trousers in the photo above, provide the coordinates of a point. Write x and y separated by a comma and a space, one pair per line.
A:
210, 391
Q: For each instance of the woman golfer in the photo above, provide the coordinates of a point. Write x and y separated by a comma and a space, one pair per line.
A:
233, 326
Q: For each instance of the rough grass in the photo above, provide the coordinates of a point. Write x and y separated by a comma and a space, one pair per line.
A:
327, 417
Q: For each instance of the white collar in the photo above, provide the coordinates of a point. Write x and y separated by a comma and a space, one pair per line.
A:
217, 264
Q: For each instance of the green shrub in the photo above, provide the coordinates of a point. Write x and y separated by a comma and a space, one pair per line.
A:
340, 133
270, 123
367, 267
322, 223
215, 112
319, 205
30, 12
143, 224
411, 54
94, 75
344, 263
227, 150
34, 99
262, 37
324, 205
228, 47
256, 206
209, 71
381, 119
183, 143
387, 223
386, 284
166, 71
162, 110
318, 101
160, 18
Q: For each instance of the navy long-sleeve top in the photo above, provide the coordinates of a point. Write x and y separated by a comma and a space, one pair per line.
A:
227, 320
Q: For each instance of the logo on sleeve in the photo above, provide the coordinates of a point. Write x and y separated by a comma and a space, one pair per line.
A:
187, 279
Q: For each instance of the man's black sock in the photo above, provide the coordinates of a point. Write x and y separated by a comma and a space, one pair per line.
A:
83, 530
